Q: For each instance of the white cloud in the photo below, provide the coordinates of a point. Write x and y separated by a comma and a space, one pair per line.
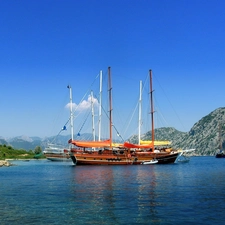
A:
74, 106
84, 105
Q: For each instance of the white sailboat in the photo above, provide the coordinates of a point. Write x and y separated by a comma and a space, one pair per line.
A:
55, 152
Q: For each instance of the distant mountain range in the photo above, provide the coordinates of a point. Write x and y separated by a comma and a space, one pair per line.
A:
29, 143
203, 136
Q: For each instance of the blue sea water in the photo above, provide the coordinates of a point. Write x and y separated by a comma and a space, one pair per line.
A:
45, 192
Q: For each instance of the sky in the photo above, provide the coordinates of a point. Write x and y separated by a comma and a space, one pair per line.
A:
46, 45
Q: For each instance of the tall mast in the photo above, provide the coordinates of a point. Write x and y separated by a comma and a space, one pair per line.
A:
71, 111
110, 107
100, 108
139, 121
152, 109
93, 116
220, 142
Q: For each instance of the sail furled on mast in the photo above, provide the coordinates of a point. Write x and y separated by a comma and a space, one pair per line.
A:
130, 145
156, 143
91, 144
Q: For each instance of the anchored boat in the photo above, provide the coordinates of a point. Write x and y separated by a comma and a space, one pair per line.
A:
105, 153
55, 152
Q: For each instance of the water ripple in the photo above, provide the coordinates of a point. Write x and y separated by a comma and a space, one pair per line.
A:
42, 192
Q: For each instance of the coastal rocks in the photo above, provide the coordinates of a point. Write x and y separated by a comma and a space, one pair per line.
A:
4, 163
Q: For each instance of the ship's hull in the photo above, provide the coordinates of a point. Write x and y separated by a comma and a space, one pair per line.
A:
57, 157
107, 158
220, 155
56, 153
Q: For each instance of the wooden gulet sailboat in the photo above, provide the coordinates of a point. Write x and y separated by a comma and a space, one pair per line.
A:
147, 150
106, 153
125, 154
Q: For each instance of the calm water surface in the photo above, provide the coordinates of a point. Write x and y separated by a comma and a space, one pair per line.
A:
45, 192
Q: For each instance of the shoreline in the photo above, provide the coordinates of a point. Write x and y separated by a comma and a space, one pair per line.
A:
22, 159
5, 163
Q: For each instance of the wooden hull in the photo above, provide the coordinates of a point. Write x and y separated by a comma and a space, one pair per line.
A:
101, 159
166, 159
106, 158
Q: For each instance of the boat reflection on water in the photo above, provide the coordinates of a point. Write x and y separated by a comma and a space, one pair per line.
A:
155, 194
118, 190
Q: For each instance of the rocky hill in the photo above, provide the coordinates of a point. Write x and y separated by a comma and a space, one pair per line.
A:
203, 136
207, 134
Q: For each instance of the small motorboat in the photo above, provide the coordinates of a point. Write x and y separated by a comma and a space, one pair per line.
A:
153, 161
